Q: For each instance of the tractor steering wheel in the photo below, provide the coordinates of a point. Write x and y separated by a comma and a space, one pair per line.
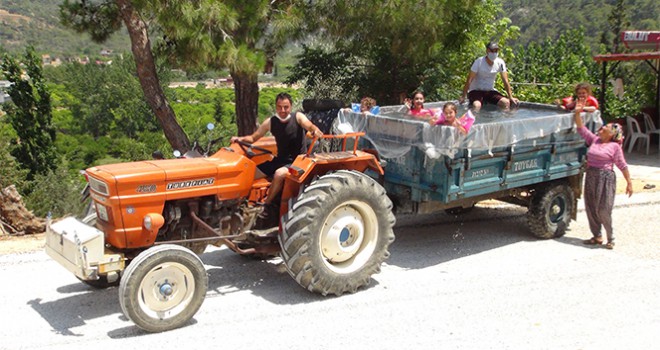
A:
248, 148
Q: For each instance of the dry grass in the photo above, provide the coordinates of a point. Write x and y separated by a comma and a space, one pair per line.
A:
638, 186
12, 17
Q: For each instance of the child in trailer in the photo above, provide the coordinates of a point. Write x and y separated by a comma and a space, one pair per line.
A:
366, 105
582, 96
448, 117
416, 107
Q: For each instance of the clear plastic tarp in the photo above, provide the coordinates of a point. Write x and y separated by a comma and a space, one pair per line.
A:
394, 132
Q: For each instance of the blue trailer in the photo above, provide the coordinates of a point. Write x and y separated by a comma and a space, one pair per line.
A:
531, 156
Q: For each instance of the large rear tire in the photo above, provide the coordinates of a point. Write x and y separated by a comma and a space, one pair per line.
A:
337, 232
550, 211
163, 287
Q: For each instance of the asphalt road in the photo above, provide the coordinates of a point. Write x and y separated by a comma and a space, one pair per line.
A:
475, 282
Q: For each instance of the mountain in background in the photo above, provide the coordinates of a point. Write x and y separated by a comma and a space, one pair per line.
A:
541, 19
36, 23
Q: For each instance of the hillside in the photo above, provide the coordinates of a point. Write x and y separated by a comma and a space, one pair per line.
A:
540, 19
36, 22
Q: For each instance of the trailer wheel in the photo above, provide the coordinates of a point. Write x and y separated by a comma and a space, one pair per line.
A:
337, 232
459, 210
550, 211
163, 287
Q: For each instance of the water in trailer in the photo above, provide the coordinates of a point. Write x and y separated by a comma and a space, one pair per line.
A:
487, 114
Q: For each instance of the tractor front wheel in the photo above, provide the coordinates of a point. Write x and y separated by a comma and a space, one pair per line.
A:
163, 287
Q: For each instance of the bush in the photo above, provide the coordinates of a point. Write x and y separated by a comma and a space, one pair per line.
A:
10, 172
57, 192
549, 70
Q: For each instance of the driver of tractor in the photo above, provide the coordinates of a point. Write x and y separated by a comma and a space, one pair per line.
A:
288, 128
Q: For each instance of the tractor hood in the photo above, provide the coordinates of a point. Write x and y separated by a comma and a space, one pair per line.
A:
226, 171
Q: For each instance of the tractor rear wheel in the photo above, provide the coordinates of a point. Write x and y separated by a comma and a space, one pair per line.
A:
337, 232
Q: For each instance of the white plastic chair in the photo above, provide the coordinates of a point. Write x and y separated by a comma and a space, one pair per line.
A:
650, 128
634, 133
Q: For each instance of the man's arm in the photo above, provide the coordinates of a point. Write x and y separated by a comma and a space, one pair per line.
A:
308, 125
507, 86
470, 77
259, 133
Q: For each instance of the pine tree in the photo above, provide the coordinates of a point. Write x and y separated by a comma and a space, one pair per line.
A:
30, 114
238, 35
100, 20
617, 22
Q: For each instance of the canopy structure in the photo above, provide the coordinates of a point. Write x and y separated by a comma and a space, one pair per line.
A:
633, 40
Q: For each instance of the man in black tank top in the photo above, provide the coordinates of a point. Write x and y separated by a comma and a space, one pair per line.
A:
288, 128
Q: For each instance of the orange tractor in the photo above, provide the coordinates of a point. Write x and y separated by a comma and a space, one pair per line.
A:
154, 217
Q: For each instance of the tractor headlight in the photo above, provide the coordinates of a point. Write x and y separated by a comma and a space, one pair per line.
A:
153, 222
147, 222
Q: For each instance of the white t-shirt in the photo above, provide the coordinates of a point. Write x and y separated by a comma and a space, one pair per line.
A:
486, 74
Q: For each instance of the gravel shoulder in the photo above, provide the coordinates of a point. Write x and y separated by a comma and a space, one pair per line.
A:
21, 244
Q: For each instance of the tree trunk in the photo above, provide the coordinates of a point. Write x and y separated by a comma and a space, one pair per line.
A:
15, 217
246, 89
146, 70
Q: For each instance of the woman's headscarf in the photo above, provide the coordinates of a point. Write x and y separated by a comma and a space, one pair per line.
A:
617, 132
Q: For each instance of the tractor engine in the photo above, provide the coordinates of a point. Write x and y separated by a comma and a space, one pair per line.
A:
229, 218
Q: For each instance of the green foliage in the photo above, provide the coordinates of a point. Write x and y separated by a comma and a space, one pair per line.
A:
57, 191
336, 75
617, 21
197, 107
445, 81
240, 36
29, 113
398, 45
639, 85
550, 69
105, 99
98, 19
540, 19
545, 71
10, 171
129, 149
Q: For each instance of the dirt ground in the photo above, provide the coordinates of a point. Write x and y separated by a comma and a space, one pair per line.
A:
28, 243
21, 244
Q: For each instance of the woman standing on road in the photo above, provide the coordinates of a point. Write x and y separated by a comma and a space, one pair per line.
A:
600, 182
